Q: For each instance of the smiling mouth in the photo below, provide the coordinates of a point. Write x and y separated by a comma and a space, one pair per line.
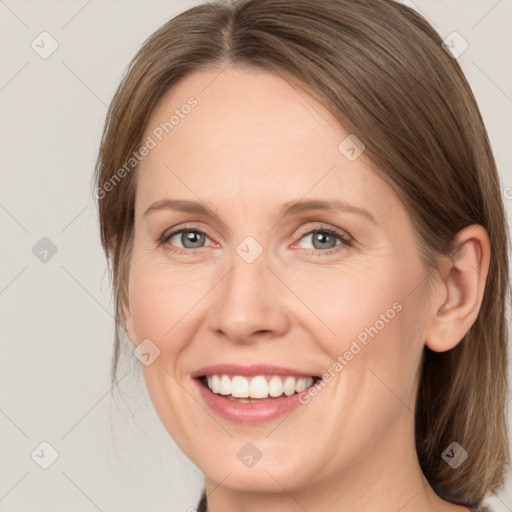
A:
257, 388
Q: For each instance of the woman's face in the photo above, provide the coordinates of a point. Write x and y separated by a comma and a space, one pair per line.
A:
255, 282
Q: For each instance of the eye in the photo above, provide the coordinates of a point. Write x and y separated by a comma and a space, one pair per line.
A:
325, 239
191, 239
185, 240
322, 240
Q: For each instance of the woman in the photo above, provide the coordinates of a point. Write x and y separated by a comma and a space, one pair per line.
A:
309, 254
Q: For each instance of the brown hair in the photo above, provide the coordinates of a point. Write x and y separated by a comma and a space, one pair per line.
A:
380, 68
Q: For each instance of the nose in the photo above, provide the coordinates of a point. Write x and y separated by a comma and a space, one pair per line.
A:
250, 302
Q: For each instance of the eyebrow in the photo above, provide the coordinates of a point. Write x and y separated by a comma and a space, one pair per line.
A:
287, 209
334, 205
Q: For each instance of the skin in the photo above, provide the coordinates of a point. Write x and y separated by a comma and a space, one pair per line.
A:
252, 143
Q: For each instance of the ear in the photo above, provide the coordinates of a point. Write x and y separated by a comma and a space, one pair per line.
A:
456, 303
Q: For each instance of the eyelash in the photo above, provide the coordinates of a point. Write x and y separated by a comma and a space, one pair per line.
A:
346, 240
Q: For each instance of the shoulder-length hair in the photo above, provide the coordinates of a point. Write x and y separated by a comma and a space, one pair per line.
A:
380, 68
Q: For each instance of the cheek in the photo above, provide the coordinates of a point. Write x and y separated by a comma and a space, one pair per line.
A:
371, 316
350, 298
163, 297
161, 304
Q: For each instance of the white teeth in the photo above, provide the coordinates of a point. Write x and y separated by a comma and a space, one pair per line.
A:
215, 386
258, 386
289, 386
275, 386
301, 385
225, 385
239, 387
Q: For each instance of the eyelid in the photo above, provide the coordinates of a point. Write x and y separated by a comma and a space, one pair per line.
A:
324, 227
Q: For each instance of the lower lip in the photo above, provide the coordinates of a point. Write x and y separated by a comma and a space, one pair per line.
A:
248, 413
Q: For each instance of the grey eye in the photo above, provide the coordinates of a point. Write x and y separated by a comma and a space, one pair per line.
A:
189, 238
322, 240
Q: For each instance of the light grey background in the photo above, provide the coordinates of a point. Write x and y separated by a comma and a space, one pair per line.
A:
56, 315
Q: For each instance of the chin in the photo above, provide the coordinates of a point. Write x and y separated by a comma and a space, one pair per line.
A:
271, 475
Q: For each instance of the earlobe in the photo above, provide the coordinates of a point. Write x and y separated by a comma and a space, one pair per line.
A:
456, 309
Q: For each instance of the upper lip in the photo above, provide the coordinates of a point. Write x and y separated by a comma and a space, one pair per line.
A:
248, 371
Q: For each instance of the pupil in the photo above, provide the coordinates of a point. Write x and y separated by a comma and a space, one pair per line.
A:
193, 238
323, 238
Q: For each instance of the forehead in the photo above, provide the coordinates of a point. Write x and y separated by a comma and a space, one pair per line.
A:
246, 109
252, 135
